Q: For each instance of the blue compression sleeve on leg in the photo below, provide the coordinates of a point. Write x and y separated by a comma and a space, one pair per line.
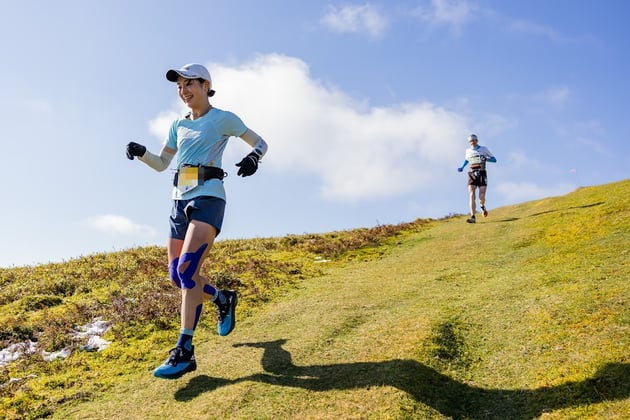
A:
197, 315
172, 270
193, 258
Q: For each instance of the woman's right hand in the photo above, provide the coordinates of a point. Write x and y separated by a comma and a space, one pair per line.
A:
135, 149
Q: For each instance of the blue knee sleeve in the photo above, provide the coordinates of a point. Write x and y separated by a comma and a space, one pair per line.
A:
193, 258
172, 270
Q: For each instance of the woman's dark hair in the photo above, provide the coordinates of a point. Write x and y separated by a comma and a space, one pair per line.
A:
210, 92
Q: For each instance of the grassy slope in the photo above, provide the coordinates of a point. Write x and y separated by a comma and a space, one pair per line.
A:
524, 314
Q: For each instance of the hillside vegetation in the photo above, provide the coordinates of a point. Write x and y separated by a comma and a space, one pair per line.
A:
524, 315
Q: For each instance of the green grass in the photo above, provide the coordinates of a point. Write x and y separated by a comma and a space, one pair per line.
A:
524, 315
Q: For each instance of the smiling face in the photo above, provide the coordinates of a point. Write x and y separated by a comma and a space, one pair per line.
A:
194, 92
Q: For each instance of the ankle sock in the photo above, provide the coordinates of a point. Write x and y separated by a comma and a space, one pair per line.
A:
185, 339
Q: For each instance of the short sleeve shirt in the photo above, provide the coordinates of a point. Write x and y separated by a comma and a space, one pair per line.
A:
202, 142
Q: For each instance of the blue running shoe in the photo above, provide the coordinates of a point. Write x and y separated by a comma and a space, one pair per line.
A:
226, 312
179, 362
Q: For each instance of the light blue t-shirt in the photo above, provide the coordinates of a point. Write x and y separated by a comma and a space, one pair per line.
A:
202, 142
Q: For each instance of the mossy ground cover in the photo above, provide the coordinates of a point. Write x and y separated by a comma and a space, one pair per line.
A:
523, 315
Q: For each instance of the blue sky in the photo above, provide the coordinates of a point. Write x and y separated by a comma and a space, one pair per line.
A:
366, 107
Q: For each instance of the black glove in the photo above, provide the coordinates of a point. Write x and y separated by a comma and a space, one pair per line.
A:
248, 165
135, 149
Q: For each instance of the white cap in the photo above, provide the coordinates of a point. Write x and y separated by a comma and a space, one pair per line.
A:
190, 71
472, 137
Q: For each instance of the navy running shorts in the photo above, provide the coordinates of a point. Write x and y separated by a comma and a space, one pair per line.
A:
205, 209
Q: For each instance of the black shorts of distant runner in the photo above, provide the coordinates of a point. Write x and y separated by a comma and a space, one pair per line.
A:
478, 178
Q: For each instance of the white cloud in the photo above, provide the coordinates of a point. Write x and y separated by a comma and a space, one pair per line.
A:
525, 191
356, 151
454, 13
557, 97
596, 146
119, 225
38, 105
589, 133
160, 125
532, 28
355, 19
554, 98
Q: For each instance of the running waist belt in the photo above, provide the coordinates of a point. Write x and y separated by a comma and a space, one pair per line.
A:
205, 173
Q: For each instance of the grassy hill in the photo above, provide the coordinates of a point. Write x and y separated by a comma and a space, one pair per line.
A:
524, 315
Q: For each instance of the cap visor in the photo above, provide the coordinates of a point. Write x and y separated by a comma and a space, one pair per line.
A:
172, 75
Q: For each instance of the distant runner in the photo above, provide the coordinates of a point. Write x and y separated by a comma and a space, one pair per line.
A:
477, 156
198, 139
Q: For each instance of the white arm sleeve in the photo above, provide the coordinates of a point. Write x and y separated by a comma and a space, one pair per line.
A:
260, 147
257, 142
159, 163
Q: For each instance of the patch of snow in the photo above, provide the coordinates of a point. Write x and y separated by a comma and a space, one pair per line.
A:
61, 354
15, 351
96, 343
97, 327
92, 331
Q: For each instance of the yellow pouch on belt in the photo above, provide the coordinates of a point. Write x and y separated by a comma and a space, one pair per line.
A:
188, 178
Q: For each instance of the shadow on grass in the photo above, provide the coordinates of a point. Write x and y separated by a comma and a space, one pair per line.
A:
585, 206
513, 219
425, 385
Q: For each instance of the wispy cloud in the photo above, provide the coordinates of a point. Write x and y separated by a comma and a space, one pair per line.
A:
453, 13
38, 105
589, 133
537, 29
595, 145
118, 225
556, 97
357, 152
355, 19
526, 191
553, 98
